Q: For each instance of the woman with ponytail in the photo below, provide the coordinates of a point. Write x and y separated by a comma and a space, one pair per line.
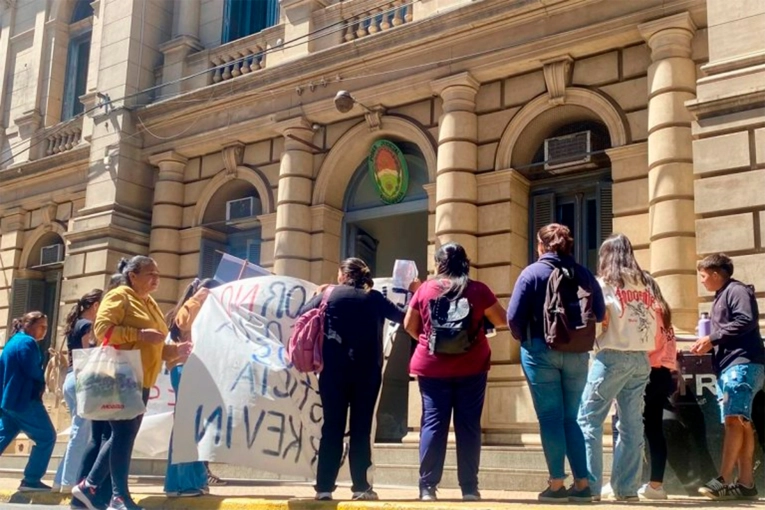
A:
187, 479
79, 324
451, 383
22, 382
352, 374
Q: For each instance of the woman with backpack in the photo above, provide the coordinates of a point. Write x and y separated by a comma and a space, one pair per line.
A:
352, 373
451, 361
79, 324
556, 378
620, 367
186, 479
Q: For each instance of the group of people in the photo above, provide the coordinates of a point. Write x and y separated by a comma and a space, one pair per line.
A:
573, 391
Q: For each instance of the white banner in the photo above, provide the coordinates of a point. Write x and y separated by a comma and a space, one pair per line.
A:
153, 437
240, 401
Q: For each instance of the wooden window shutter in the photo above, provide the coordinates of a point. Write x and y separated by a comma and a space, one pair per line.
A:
542, 213
606, 210
253, 251
26, 296
209, 258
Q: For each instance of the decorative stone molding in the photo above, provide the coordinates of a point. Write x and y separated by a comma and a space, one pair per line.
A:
49, 212
670, 36
13, 220
256, 178
374, 117
31, 239
28, 122
180, 47
171, 165
232, 154
458, 92
577, 96
557, 72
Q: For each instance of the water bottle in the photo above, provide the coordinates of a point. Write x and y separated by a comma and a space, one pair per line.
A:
705, 325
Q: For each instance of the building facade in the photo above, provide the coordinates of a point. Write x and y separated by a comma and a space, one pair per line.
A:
183, 129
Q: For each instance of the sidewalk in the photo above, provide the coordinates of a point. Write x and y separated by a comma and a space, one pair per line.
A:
269, 495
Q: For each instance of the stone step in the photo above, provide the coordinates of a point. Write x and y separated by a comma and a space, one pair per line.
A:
502, 467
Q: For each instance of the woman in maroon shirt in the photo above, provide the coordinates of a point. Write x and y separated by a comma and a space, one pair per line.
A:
451, 382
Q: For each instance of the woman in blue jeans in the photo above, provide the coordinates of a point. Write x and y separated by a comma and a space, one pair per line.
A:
187, 479
620, 367
79, 324
556, 379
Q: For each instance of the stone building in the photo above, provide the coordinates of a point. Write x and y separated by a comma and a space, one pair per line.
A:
180, 129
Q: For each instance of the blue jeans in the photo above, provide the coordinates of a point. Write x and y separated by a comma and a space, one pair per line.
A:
440, 396
620, 375
69, 468
187, 476
736, 388
556, 381
35, 423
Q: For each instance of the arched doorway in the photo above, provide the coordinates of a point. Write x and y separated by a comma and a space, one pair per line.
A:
232, 214
570, 179
38, 285
380, 227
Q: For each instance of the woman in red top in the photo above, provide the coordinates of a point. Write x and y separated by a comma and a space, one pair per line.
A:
451, 382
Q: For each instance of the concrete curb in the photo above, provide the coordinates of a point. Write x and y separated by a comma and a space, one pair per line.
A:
244, 502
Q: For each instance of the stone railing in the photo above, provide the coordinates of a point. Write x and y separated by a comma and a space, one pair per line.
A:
63, 137
244, 55
364, 18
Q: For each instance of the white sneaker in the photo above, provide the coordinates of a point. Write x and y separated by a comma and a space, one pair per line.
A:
606, 491
648, 492
323, 496
367, 495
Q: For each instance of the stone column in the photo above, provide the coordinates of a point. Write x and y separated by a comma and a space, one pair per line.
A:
186, 19
166, 221
671, 82
456, 187
292, 243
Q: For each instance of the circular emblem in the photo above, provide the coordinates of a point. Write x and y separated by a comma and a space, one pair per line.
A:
389, 172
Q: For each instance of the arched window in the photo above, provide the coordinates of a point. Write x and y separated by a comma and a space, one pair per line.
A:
232, 212
76, 80
245, 17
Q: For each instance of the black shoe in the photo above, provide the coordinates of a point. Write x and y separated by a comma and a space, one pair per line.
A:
37, 486
123, 504
740, 491
428, 494
86, 495
550, 496
580, 496
717, 489
471, 496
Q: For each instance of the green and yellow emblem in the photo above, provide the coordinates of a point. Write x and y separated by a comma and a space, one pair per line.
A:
389, 172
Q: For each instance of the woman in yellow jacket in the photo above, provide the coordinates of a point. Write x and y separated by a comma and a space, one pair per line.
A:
128, 319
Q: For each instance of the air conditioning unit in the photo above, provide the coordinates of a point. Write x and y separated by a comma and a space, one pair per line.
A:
567, 150
240, 208
51, 254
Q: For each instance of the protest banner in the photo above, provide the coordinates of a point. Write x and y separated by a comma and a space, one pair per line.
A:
153, 438
240, 401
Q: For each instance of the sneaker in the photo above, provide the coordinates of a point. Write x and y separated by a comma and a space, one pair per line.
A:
428, 494
33, 487
627, 499
716, 489
323, 496
85, 494
214, 481
606, 491
189, 493
367, 495
648, 492
123, 504
550, 496
740, 491
581, 495
205, 490
471, 496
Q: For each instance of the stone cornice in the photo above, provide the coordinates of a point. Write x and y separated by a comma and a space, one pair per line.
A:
74, 159
502, 176
183, 44
458, 80
670, 36
633, 150
171, 156
409, 40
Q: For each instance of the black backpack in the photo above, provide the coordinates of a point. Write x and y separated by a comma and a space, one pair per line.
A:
450, 326
568, 317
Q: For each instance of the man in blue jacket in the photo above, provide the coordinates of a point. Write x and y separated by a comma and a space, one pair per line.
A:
21, 407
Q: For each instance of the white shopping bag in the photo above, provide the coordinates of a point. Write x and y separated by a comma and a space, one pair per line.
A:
108, 383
